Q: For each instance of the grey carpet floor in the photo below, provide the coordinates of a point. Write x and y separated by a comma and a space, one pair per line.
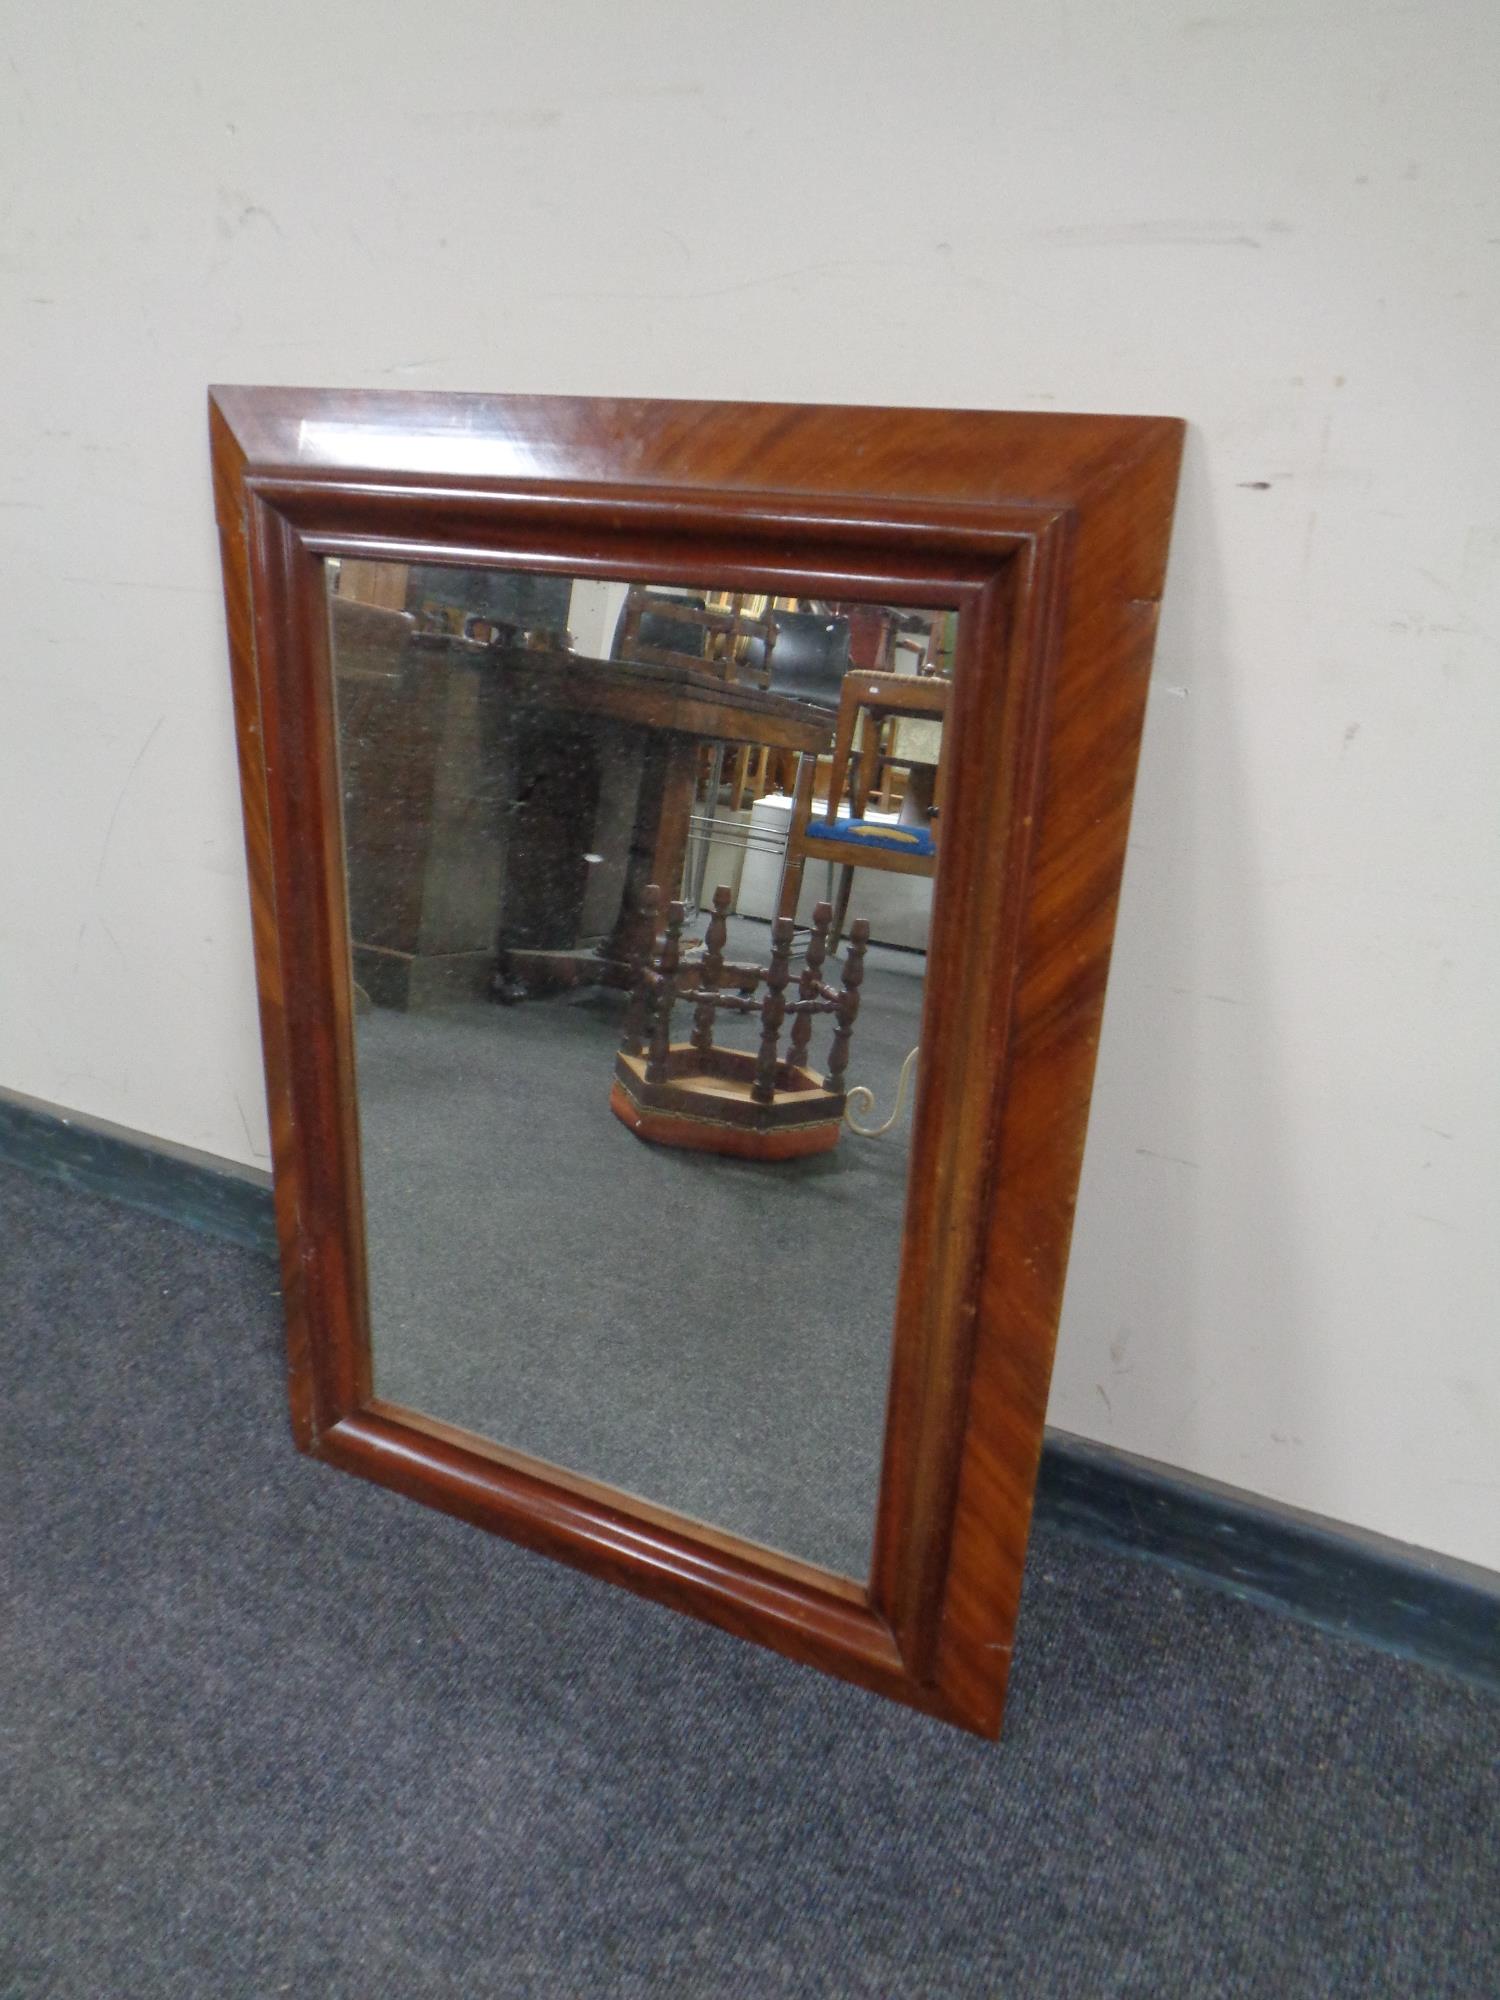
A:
268, 1730
710, 1333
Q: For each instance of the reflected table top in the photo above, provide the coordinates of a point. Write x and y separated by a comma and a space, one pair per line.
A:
685, 700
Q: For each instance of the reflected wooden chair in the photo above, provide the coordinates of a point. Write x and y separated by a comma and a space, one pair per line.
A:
663, 630
898, 719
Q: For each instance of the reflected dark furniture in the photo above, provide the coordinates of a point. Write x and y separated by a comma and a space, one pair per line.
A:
422, 776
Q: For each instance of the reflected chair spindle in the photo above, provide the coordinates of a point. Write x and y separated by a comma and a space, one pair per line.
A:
707, 1097
632, 1040
710, 972
847, 1009
810, 985
663, 991
773, 1010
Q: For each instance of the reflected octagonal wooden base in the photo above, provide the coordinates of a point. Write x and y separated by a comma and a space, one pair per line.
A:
705, 1106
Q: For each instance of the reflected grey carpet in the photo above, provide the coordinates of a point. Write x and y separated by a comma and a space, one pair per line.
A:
711, 1333
268, 1730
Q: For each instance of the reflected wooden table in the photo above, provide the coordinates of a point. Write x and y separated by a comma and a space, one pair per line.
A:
606, 759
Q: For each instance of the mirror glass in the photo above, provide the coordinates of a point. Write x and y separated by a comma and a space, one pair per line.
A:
639, 881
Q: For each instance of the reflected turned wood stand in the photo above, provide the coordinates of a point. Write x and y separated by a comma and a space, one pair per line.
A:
707, 1099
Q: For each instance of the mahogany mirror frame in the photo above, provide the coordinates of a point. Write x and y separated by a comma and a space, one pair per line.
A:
1048, 534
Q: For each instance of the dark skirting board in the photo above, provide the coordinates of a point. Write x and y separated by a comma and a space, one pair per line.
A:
199, 1189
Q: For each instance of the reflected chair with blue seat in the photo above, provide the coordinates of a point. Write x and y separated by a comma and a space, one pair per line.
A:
899, 719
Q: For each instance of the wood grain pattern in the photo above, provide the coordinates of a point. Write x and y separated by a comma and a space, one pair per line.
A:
1048, 535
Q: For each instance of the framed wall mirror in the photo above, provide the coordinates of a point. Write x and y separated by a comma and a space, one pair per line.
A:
684, 841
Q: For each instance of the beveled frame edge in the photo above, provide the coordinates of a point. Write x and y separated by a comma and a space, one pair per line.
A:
935, 1627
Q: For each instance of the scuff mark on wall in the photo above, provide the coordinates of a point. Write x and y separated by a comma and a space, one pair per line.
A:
109, 831
1203, 235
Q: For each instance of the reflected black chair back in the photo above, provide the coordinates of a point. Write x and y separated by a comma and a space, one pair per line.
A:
809, 659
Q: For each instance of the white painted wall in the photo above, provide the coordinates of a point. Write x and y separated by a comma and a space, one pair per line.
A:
1279, 221
594, 613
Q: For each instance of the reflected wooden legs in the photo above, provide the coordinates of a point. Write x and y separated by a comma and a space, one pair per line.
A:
773, 1011
661, 992
810, 985
795, 860
633, 1040
841, 907
658, 841
657, 853
703, 839
794, 865
710, 971
847, 1007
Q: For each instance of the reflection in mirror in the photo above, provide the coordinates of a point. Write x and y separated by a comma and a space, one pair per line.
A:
639, 882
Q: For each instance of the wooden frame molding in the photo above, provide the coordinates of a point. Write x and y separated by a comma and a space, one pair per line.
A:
1048, 534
